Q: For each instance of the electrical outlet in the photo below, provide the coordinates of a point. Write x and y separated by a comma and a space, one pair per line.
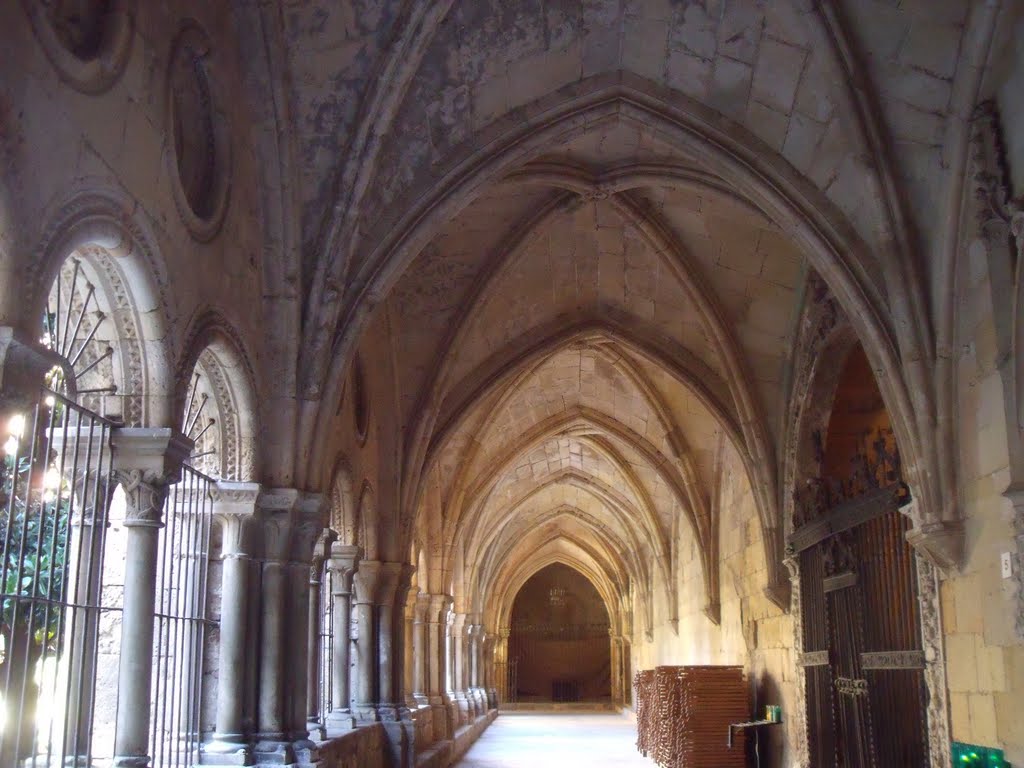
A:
1007, 565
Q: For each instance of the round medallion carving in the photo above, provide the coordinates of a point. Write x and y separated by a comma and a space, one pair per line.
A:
199, 150
87, 41
360, 400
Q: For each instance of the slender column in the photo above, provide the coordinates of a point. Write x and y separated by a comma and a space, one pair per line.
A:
391, 609
420, 649
234, 506
365, 586
616, 670
316, 720
477, 695
145, 462
307, 531
490, 660
341, 565
275, 511
408, 646
501, 670
459, 659
437, 666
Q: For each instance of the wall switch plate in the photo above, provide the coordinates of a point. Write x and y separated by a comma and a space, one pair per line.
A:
1007, 564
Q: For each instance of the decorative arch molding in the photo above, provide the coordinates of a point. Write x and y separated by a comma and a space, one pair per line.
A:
104, 229
213, 344
344, 510
92, 64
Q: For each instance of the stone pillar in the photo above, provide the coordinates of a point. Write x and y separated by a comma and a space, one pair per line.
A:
391, 636
364, 681
477, 692
291, 521
490, 683
616, 667
437, 664
145, 462
234, 508
460, 674
342, 565
501, 664
420, 649
408, 662
316, 720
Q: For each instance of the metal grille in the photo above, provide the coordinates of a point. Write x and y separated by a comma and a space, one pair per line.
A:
54, 498
181, 624
326, 651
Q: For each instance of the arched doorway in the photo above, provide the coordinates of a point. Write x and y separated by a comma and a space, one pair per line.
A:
559, 647
866, 693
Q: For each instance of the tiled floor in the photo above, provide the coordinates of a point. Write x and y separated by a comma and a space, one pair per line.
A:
556, 740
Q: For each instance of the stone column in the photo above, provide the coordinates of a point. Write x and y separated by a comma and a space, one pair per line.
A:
616, 667
291, 521
390, 637
437, 664
307, 532
342, 565
145, 462
234, 507
408, 662
490, 682
420, 649
459, 659
501, 664
364, 682
315, 719
476, 669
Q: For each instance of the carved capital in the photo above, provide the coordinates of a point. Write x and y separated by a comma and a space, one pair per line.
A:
941, 542
145, 493
377, 583
421, 608
234, 509
145, 462
439, 607
342, 564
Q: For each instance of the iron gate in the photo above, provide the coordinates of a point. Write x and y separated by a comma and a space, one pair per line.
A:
54, 499
864, 663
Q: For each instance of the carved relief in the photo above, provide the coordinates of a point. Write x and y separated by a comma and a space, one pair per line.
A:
935, 663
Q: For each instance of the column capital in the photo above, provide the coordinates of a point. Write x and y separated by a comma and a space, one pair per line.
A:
439, 607
421, 608
342, 563
291, 521
234, 509
377, 583
144, 462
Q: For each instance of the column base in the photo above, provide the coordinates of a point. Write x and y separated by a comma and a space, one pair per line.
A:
225, 751
442, 720
273, 752
316, 731
338, 722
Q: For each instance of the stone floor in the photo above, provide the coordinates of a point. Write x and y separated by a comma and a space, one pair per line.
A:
557, 740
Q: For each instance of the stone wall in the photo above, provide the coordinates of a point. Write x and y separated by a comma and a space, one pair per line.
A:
985, 659
753, 631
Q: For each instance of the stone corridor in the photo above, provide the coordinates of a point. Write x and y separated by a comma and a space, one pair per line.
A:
557, 740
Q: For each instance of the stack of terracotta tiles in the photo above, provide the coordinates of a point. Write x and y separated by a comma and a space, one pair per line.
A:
646, 711
683, 716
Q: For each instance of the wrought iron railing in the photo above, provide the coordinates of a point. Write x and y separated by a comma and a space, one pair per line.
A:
181, 624
54, 500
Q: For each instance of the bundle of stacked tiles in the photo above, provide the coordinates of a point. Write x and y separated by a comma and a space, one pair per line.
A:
710, 698
683, 716
646, 711
666, 684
